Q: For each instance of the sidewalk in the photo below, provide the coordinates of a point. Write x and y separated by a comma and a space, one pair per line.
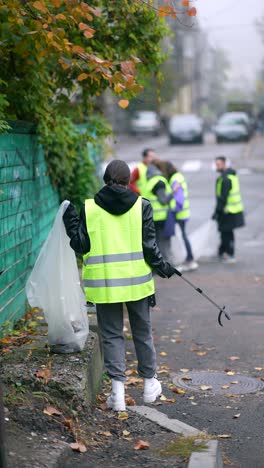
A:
48, 408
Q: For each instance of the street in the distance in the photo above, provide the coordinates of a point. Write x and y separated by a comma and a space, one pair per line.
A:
185, 324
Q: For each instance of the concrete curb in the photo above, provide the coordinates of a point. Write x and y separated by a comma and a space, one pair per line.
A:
173, 425
209, 458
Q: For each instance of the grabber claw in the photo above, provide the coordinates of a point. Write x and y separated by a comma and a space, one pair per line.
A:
223, 311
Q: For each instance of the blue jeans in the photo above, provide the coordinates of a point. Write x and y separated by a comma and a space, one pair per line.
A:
182, 224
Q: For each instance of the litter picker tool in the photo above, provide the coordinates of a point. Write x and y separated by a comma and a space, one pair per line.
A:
200, 291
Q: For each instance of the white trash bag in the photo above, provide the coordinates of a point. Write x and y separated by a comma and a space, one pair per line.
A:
178, 249
204, 240
54, 286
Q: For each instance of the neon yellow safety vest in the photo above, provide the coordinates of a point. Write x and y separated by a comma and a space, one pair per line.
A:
115, 270
160, 211
234, 200
185, 212
142, 180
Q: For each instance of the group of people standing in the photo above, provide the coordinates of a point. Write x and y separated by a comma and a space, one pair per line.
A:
124, 236
166, 188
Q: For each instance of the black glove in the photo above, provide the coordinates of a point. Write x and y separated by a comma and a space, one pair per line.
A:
167, 270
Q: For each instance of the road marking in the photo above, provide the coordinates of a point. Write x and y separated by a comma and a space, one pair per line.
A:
193, 165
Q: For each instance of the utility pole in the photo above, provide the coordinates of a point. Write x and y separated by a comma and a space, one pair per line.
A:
2, 441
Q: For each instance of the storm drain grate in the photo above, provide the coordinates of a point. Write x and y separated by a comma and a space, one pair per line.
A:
218, 382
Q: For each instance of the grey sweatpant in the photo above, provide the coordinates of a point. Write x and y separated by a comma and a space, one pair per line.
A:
110, 321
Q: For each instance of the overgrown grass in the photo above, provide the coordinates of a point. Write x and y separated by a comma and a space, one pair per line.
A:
184, 446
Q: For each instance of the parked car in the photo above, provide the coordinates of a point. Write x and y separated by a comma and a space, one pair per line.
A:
187, 128
233, 126
145, 122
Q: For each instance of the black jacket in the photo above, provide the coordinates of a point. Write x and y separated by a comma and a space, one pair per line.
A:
226, 221
117, 200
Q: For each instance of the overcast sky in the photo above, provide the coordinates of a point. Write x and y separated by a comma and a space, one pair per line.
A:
231, 25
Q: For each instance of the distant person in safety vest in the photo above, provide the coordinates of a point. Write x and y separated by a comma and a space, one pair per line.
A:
180, 205
138, 177
229, 211
115, 234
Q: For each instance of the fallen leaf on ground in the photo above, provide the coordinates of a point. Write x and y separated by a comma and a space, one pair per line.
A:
234, 358
100, 398
131, 371
232, 395
105, 433
178, 390
201, 353
184, 370
141, 445
225, 387
171, 400
236, 416
205, 387
162, 353
78, 447
186, 377
234, 382
126, 433
173, 341
177, 330
43, 374
68, 423
258, 368
224, 436
228, 407
122, 415
193, 403
133, 381
230, 373
163, 398
162, 371
5, 340
50, 411
102, 407
130, 401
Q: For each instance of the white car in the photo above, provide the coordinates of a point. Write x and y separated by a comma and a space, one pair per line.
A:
186, 128
145, 122
233, 126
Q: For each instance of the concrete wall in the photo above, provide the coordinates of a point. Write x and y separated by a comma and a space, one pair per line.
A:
28, 205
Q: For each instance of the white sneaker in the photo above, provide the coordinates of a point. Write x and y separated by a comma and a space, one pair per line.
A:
229, 260
152, 390
116, 401
188, 266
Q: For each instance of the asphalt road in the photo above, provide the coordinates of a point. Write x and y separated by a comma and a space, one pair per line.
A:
238, 286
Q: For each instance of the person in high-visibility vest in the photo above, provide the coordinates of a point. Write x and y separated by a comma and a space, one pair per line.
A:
138, 177
115, 234
158, 192
180, 205
229, 211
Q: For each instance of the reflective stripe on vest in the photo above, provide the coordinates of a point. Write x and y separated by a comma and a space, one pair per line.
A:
142, 180
234, 200
184, 213
113, 283
115, 270
160, 211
